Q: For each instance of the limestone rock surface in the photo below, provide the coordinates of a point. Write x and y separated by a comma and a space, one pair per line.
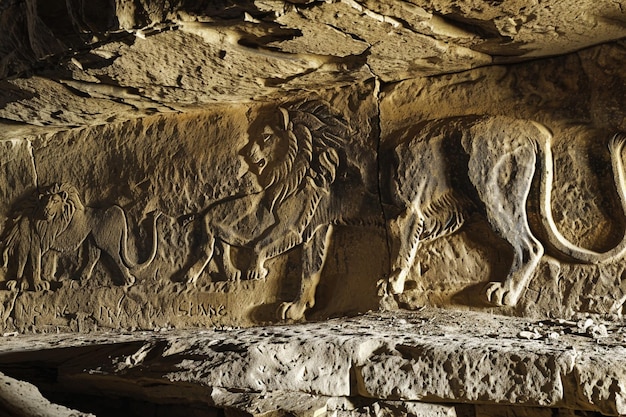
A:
67, 64
427, 363
23, 399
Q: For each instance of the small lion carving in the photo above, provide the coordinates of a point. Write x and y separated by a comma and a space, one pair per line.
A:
57, 221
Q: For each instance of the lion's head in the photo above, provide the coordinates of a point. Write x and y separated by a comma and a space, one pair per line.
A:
57, 206
48, 212
303, 139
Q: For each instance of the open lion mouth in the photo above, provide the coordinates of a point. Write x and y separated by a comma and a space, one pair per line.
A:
259, 163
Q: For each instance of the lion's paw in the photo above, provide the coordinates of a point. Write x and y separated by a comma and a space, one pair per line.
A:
12, 285
292, 311
396, 282
19, 285
498, 294
257, 273
234, 275
617, 142
129, 281
42, 285
190, 278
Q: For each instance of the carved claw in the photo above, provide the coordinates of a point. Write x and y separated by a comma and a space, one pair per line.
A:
292, 311
129, 281
233, 275
396, 282
617, 142
19, 285
42, 285
257, 273
190, 278
498, 294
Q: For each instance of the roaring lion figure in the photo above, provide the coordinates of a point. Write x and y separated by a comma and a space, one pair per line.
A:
57, 221
433, 175
439, 171
296, 160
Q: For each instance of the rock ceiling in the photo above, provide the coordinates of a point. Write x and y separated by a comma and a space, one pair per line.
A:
66, 64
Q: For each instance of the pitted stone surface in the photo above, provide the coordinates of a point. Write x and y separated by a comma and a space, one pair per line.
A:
433, 356
443, 370
65, 65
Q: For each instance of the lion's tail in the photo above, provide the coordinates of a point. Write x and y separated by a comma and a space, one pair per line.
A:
554, 237
124, 252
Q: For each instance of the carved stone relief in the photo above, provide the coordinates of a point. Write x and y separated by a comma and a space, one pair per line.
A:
236, 215
567, 190
424, 193
56, 221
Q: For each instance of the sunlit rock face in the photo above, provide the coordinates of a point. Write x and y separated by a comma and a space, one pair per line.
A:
178, 177
72, 64
249, 163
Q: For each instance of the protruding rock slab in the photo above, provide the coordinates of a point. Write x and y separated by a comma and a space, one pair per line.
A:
20, 398
433, 356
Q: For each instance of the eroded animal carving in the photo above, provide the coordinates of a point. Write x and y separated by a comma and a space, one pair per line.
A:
296, 162
57, 221
443, 169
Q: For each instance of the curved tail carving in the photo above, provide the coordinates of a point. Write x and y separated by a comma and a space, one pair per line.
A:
124, 252
555, 238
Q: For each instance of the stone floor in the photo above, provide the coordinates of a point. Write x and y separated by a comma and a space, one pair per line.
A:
426, 363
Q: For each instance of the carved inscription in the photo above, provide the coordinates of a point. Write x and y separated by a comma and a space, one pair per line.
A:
191, 308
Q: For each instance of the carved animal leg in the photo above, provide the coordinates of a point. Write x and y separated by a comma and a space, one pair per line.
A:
289, 231
19, 283
129, 279
504, 192
93, 255
49, 266
404, 232
527, 254
313, 259
206, 254
270, 247
38, 283
231, 272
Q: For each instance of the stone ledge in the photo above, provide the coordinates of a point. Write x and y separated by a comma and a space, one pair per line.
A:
432, 356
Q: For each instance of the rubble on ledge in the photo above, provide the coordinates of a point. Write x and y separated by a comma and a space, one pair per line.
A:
426, 363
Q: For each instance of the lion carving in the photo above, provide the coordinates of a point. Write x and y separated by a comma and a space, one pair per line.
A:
58, 222
433, 175
297, 160
442, 170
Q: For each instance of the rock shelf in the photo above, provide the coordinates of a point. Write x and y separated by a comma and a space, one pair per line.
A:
432, 362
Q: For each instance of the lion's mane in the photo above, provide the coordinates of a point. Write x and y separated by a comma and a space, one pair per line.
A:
315, 135
31, 220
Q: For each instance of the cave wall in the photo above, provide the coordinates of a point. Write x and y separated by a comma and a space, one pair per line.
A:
320, 237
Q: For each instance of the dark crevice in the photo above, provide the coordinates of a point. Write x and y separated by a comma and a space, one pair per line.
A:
485, 29
379, 173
